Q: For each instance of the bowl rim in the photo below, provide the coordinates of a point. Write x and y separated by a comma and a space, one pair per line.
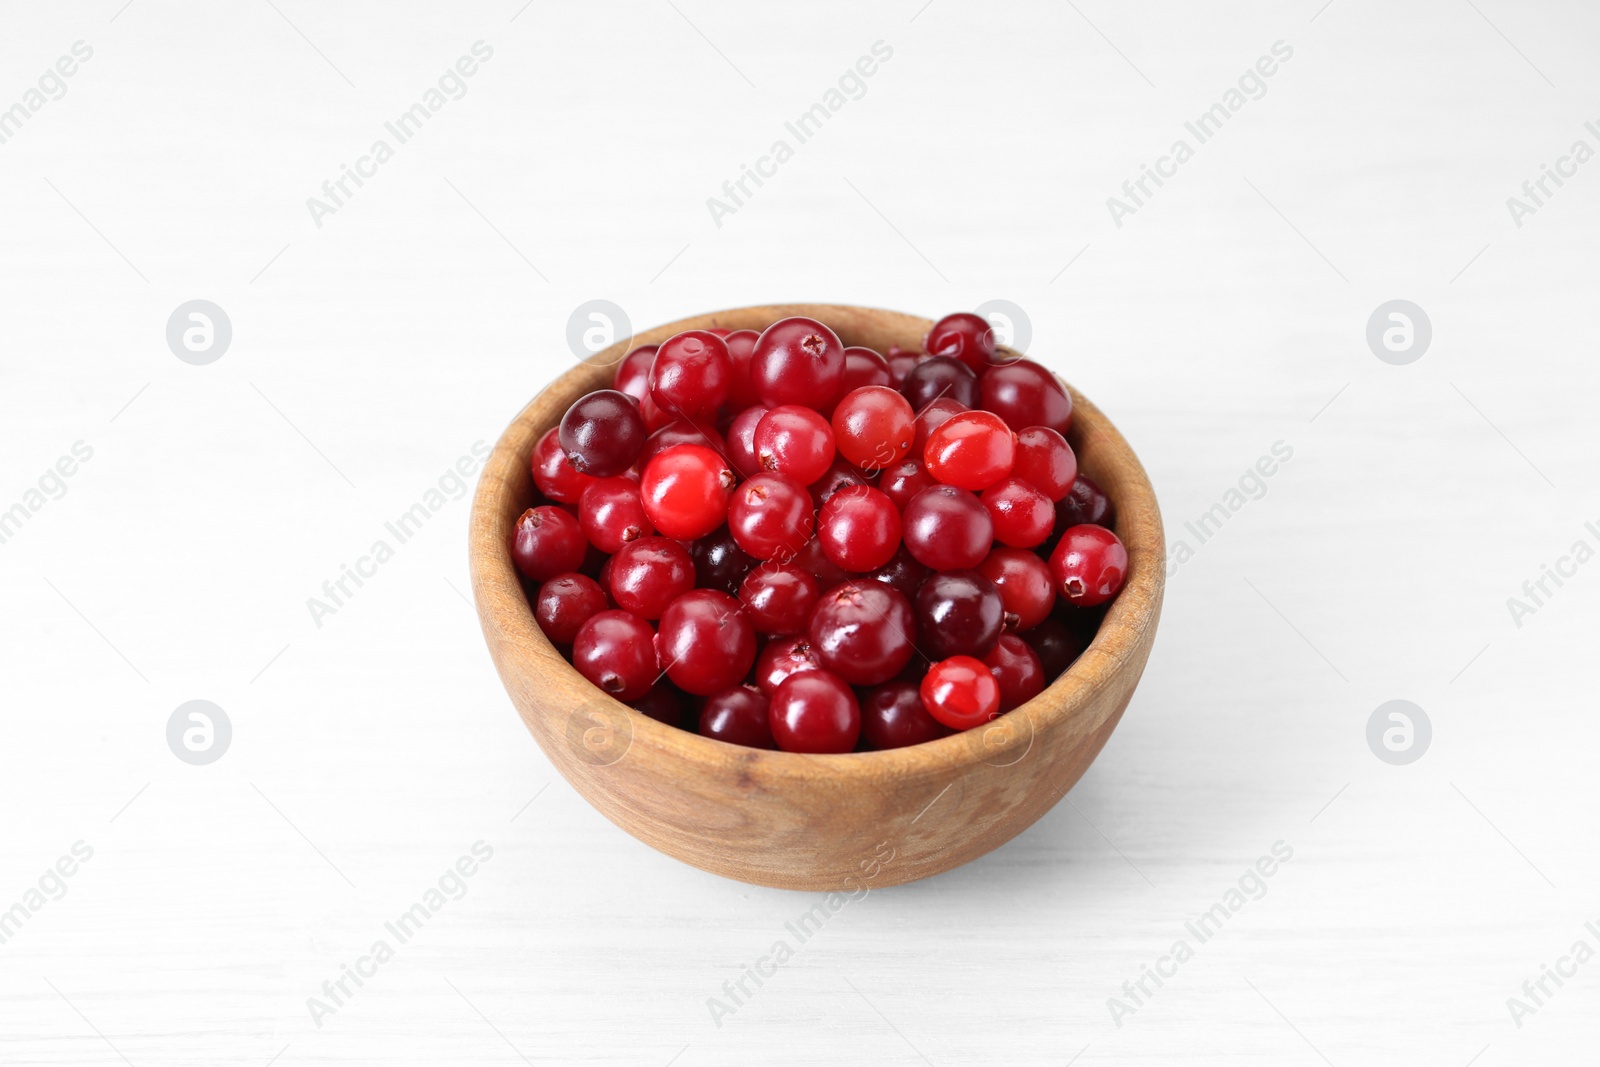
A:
1116, 642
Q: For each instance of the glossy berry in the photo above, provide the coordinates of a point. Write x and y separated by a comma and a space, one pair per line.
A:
1027, 592
547, 541
565, 603
685, 491
692, 374
681, 432
1023, 516
778, 598
797, 361
900, 364
959, 613
815, 711
1017, 670
863, 367
904, 573
741, 443
782, 657
737, 716
937, 378
552, 474
947, 528
633, 373
961, 692
741, 347
862, 631
719, 562
705, 643
892, 716
971, 450
1085, 503
905, 480
611, 514
874, 427
647, 575
770, 517
602, 433
1089, 565
794, 441
615, 650
1024, 394
859, 528
963, 336
1045, 461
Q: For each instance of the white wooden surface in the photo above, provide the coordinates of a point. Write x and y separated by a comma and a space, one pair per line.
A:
369, 354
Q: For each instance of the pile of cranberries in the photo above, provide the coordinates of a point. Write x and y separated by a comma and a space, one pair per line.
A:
782, 542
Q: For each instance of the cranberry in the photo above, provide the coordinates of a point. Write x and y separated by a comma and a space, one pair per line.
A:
782, 657
565, 603
930, 418
705, 643
778, 598
972, 450
961, 692
552, 474
939, 377
1085, 503
1089, 565
797, 361
691, 374
663, 703
737, 716
1045, 461
741, 346
861, 631
946, 528
892, 716
1017, 669
904, 481
682, 432
615, 650
900, 364
859, 528
719, 562
633, 373
959, 613
1056, 645
814, 559
1025, 394
611, 514
547, 541
964, 336
794, 441
685, 491
649, 574
1026, 590
770, 517
815, 711
602, 433
841, 474
863, 367
904, 573
1023, 516
654, 415
874, 427
742, 440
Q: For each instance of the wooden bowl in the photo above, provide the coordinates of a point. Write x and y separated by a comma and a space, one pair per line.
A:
816, 822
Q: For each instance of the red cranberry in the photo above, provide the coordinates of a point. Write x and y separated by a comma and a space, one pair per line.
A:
863, 367
961, 692
874, 427
1025, 394
1045, 461
649, 574
963, 336
859, 528
939, 377
797, 361
705, 642
565, 603
654, 415
1023, 516
615, 650
892, 716
685, 491
1056, 645
930, 419
904, 481
959, 613
815, 711
741, 347
663, 703
794, 441
602, 433
900, 364
719, 562
841, 474
972, 450
682, 432
862, 631
742, 440
633, 373
1089, 565
691, 374
1017, 669
782, 657
611, 514
904, 573
770, 517
778, 598
547, 541
737, 716
814, 559
946, 528
552, 474
1026, 590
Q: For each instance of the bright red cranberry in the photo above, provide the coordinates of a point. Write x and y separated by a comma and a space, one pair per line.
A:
930, 419
691, 374
602, 433
547, 541
797, 361
552, 474
972, 450
862, 631
959, 613
1089, 565
1025, 394
778, 598
1056, 645
1045, 461
859, 529
900, 364
963, 336
947, 528
904, 573
611, 514
1023, 516
1086, 502
719, 562
663, 703
633, 373
874, 427
565, 603
1017, 670
892, 716
794, 441
841, 474
742, 440
1023, 579
905, 480
939, 377
741, 347
815, 711
649, 574
783, 656
737, 716
685, 491
771, 517
705, 642
615, 650
814, 559
682, 432
961, 692
863, 367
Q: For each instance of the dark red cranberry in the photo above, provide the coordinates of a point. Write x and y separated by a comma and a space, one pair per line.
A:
741, 347
874, 427
1089, 565
633, 373
685, 491
892, 716
904, 573
719, 562
859, 528
939, 377
705, 642
1026, 590
862, 631
771, 517
1025, 394
1085, 503
663, 703
1017, 669
778, 598
815, 711
611, 514
900, 364
565, 603
1023, 516
1056, 644
682, 432
742, 440
841, 474
691, 374
794, 441
905, 480
970, 450
552, 474
1045, 461
649, 574
547, 541
737, 716
863, 367
961, 692
783, 656
602, 433
815, 560
959, 613
797, 361
963, 336
947, 528
615, 650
